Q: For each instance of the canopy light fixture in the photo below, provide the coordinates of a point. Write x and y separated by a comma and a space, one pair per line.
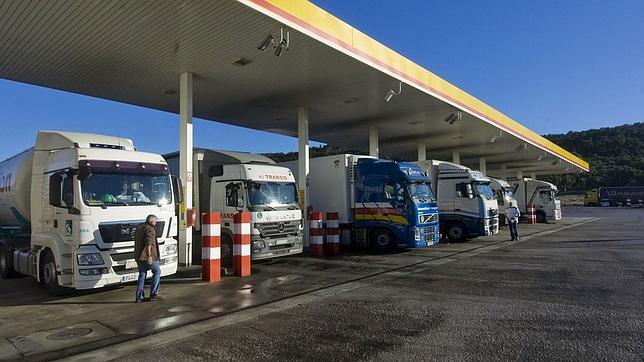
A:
267, 41
496, 137
542, 156
283, 44
453, 118
393, 93
521, 147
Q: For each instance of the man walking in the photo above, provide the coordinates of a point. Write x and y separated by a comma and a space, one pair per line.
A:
146, 252
512, 213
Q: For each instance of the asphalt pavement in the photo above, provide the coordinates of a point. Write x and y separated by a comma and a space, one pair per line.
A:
571, 294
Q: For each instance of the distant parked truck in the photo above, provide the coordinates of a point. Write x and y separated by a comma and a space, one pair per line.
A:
615, 196
468, 207
231, 182
541, 194
504, 196
70, 205
382, 204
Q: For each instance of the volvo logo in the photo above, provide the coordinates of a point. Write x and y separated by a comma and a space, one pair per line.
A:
280, 227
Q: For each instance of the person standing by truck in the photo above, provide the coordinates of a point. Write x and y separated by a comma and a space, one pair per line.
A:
146, 252
512, 213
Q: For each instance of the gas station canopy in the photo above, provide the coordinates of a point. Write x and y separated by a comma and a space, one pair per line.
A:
134, 51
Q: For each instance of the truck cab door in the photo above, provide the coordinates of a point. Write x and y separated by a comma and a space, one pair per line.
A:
62, 198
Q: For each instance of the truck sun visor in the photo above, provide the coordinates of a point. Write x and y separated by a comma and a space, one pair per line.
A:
89, 166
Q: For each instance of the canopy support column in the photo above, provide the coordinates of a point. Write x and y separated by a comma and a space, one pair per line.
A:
520, 174
456, 157
185, 166
303, 166
533, 175
483, 165
422, 151
374, 148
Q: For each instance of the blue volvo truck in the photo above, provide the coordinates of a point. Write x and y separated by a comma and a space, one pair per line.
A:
382, 205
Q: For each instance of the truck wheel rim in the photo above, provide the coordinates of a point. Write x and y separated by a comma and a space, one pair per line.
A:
455, 233
48, 273
382, 239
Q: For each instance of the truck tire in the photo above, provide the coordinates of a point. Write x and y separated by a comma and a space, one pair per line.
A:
541, 217
226, 251
382, 240
6, 262
456, 232
48, 276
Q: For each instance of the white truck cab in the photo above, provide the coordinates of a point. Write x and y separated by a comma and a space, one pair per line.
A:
68, 216
467, 206
504, 194
540, 193
232, 182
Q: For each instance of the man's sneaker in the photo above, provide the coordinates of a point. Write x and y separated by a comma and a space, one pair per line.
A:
153, 297
138, 301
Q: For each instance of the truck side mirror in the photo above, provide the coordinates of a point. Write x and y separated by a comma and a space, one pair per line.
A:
470, 192
177, 186
68, 191
55, 181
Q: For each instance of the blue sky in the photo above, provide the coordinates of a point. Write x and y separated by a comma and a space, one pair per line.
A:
552, 65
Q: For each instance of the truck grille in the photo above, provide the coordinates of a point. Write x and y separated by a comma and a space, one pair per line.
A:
428, 234
119, 232
278, 229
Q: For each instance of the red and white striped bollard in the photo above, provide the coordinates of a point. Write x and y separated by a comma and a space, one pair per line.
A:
332, 233
316, 234
241, 244
211, 246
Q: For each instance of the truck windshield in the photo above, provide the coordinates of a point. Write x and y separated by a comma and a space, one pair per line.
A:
420, 191
126, 189
483, 189
271, 193
508, 192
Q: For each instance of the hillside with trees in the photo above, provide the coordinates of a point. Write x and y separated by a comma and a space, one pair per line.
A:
615, 154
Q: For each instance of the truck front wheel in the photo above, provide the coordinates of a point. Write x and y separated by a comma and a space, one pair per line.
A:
382, 240
48, 276
6, 267
456, 232
541, 217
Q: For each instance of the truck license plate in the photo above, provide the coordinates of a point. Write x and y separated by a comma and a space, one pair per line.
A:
281, 242
129, 278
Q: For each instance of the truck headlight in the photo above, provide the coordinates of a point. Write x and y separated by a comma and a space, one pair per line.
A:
170, 249
90, 259
259, 244
417, 234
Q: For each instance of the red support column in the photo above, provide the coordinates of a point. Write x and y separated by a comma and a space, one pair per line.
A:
211, 247
241, 244
332, 233
316, 233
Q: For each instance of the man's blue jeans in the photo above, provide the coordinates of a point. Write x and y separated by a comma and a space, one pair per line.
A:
156, 278
514, 235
